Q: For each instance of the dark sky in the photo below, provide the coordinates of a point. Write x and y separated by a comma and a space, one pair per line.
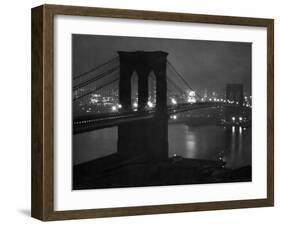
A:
204, 64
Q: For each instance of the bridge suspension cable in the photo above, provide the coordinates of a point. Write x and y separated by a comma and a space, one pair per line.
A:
95, 68
113, 70
96, 78
170, 81
181, 77
97, 89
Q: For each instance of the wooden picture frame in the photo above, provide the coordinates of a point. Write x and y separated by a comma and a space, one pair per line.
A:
43, 108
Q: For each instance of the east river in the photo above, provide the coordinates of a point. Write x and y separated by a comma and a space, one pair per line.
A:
210, 142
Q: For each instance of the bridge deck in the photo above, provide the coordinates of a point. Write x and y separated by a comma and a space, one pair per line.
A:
98, 121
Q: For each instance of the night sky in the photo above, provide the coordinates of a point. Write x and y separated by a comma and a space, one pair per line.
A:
204, 64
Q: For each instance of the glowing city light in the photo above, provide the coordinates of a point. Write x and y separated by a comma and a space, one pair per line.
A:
135, 104
240, 129
114, 108
191, 97
173, 100
94, 101
233, 118
119, 106
192, 93
149, 104
174, 117
240, 118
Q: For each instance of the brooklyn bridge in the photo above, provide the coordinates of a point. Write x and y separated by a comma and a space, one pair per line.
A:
144, 92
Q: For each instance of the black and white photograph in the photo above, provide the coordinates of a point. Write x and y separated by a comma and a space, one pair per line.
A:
158, 112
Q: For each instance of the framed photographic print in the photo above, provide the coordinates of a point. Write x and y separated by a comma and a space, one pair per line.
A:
141, 112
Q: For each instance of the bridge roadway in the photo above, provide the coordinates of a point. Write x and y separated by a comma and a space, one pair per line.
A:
98, 121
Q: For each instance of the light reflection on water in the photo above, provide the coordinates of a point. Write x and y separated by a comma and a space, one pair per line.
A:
232, 145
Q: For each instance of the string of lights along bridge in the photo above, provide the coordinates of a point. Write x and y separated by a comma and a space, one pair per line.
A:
96, 94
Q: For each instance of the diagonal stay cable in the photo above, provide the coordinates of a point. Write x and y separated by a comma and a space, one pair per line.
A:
100, 76
97, 89
180, 76
95, 68
175, 85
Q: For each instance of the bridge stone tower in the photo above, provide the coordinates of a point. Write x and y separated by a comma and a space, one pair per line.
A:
146, 138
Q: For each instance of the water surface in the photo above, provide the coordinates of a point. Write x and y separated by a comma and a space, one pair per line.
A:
210, 142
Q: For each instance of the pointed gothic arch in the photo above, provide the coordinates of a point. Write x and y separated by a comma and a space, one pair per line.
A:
152, 91
134, 90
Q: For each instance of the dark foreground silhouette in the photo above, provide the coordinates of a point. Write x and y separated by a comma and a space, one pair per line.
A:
114, 172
